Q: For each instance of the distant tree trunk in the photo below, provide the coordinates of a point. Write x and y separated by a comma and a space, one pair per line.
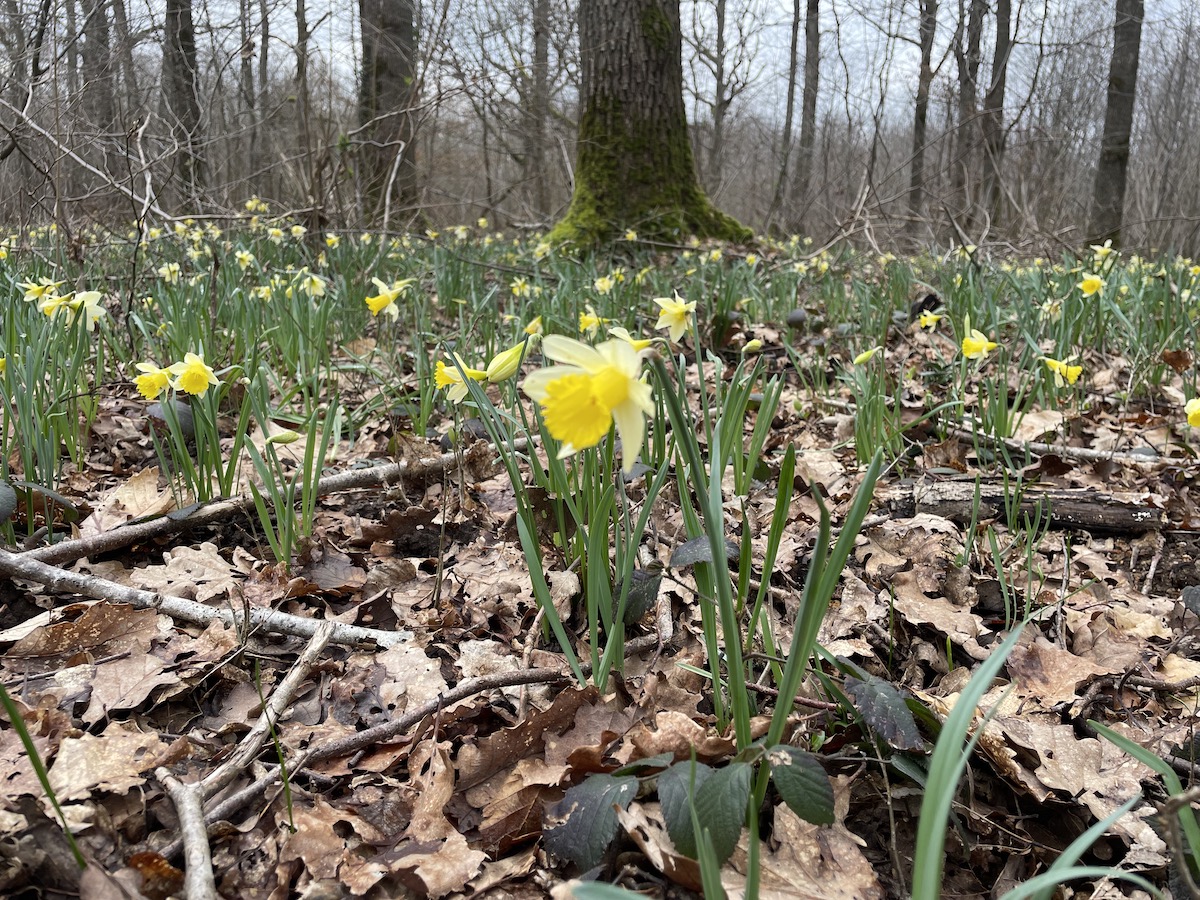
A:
387, 102
808, 119
97, 66
181, 106
264, 83
1108, 193
248, 117
916, 185
992, 120
785, 143
635, 167
968, 60
303, 134
539, 109
125, 55
721, 101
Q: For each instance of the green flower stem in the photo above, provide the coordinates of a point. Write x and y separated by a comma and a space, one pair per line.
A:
709, 497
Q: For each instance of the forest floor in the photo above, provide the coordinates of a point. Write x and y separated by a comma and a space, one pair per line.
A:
163, 656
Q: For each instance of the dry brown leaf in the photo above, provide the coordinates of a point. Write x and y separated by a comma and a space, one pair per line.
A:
103, 629
199, 574
137, 497
113, 761
1047, 674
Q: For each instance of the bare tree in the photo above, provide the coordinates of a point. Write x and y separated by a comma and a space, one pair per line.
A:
927, 31
635, 165
992, 119
1108, 194
388, 90
180, 103
968, 58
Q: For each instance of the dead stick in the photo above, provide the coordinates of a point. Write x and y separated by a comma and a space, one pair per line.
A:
222, 510
281, 698
16, 565
199, 883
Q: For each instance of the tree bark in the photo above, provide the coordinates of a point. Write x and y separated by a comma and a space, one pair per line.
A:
97, 66
785, 148
801, 186
992, 121
539, 109
967, 60
1108, 193
181, 105
387, 102
916, 184
635, 167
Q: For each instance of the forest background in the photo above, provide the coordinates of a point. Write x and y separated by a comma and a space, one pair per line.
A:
892, 121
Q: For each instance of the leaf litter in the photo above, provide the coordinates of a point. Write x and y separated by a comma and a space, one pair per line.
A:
462, 802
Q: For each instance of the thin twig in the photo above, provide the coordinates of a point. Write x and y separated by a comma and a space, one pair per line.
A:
21, 566
199, 883
281, 698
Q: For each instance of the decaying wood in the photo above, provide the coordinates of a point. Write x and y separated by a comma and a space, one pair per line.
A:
1065, 508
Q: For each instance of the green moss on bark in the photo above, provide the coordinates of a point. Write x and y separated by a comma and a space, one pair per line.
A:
642, 178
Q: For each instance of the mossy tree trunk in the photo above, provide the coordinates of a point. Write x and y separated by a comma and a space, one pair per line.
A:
635, 167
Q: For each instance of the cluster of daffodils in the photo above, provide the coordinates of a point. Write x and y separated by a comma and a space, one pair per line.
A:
590, 389
191, 376
71, 306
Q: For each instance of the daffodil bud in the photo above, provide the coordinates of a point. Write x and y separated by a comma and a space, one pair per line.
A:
504, 365
752, 346
287, 436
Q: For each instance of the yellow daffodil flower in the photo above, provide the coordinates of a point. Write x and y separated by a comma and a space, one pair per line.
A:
1064, 373
676, 315
631, 235
449, 376
976, 344
299, 231
1091, 284
482, 223
192, 376
638, 344
1051, 310
385, 300
43, 288
866, 355
504, 365
591, 389
753, 346
589, 322
169, 273
332, 240
534, 327
1193, 412
603, 285
245, 259
153, 380
929, 320
275, 235
86, 303
519, 287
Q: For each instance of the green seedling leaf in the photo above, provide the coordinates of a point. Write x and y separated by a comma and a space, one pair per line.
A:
802, 783
720, 799
581, 825
8, 501
674, 787
699, 550
721, 806
650, 762
595, 891
885, 711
